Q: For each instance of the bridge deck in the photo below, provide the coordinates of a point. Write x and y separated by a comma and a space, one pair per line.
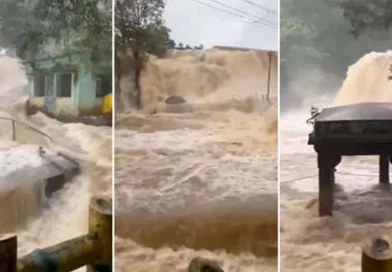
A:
358, 123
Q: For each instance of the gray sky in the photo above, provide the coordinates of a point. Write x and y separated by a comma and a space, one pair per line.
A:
193, 23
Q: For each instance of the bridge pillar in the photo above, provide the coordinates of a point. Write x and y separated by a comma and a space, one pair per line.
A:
384, 168
326, 164
8, 252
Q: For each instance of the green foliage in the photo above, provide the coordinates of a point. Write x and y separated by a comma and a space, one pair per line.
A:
139, 25
139, 29
367, 15
297, 34
42, 27
89, 22
316, 35
181, 46
16, 27
298, 40
157, 43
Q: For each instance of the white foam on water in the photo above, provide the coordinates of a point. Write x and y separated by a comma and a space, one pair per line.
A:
17, 163
202, 182
311, 243
67, 215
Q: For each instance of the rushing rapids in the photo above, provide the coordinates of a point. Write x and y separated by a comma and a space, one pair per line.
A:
198, 177
311, 243
67, 213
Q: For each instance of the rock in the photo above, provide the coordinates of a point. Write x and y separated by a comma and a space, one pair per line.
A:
175, 100
174, 108
199, 264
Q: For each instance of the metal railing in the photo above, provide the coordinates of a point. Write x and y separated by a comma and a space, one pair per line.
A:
14, 121
93, 250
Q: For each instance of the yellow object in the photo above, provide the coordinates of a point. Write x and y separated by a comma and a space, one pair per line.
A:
93, 249
107, 104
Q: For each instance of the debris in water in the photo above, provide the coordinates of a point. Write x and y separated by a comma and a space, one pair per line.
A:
41, 151
237, 143
174, 100
200, 264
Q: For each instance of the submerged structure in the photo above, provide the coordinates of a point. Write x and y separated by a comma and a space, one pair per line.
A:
50, 170
350, 130
94, 249
31, 174
69, 85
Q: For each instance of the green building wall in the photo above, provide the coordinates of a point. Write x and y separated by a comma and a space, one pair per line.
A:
83, 100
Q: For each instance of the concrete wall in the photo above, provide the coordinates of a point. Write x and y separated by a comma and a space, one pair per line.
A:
39, 102
88, 102
86, 90
62, 106
51, 103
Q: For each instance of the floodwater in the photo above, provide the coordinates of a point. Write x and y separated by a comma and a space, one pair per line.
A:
200, 182
362, 207
66, 216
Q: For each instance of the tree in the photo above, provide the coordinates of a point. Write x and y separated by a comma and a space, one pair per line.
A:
317, 47
17, 29
159, 37
171, 44
367, 15
299, 36
187, 47
38, 27
139, 28
88, 23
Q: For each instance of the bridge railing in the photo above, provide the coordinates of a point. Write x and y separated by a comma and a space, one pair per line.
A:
93, 250
14, 122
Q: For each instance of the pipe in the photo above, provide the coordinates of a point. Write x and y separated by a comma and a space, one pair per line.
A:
93, 249
377, 254
269, 74
66, 256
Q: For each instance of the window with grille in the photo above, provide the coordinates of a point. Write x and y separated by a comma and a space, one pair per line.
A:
40, 85
104, 85
64, 84
49, 90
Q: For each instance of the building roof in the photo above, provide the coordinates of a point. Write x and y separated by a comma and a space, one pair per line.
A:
234, 48
52, 57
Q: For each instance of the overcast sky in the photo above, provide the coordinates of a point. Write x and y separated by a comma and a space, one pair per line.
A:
194, 23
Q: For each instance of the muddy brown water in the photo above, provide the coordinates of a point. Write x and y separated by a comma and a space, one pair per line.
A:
362, 206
